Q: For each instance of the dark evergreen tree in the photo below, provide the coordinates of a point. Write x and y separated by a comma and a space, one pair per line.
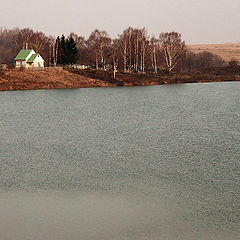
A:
67, 51
61, 59
71, 51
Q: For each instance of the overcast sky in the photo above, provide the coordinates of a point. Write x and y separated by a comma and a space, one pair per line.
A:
199, 21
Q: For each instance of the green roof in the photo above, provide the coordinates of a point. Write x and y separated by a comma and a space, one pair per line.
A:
22, 54
31, 59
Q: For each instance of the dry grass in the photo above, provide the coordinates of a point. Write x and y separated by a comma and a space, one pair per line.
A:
17, 80
227, 50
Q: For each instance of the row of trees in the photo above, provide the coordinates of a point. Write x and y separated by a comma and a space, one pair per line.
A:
13, 40
133, 50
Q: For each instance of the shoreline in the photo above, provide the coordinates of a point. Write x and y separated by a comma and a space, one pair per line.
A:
11, 80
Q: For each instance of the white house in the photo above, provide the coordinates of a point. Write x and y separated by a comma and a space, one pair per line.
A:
29, 59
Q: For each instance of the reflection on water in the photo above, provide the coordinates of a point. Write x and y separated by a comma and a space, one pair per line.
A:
156, 162
88, 216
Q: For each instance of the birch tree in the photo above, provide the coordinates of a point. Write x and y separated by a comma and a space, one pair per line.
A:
126, 41
173, 49
99, 44
37, 41
144, 46
114, 55
123, 46
154, 46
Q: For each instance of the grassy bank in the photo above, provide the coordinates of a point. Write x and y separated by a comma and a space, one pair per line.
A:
23, 80
72, 78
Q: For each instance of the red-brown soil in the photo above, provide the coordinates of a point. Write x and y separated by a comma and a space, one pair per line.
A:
20, 80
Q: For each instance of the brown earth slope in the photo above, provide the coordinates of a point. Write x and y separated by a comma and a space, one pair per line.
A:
20, 80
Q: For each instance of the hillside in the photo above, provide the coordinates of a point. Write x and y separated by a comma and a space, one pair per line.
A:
17, 80
226, 50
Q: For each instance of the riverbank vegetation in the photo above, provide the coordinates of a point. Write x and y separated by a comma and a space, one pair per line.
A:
132, 51
133, 58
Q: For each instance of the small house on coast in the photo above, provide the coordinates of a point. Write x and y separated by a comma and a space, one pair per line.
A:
28, 58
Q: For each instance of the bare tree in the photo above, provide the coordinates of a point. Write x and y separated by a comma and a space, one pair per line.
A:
154, 46
123, 45
37, 41
99, 44
23, 38
144, 46
136, 46
203, 61
173, 49
52, 56
130, 40
114, 55
8, 49
133, 44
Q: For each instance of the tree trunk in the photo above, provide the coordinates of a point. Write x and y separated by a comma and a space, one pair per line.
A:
56, 56
96, 62
130, 53
125, 56
155, 59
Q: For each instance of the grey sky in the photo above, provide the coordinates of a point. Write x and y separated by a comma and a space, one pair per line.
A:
199, 21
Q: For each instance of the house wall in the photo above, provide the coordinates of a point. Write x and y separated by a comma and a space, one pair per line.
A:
19, 64
38, 62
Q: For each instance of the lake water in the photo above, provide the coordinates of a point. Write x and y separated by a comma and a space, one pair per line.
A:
147, 163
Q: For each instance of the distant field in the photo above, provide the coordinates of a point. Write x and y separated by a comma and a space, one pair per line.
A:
226, 50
